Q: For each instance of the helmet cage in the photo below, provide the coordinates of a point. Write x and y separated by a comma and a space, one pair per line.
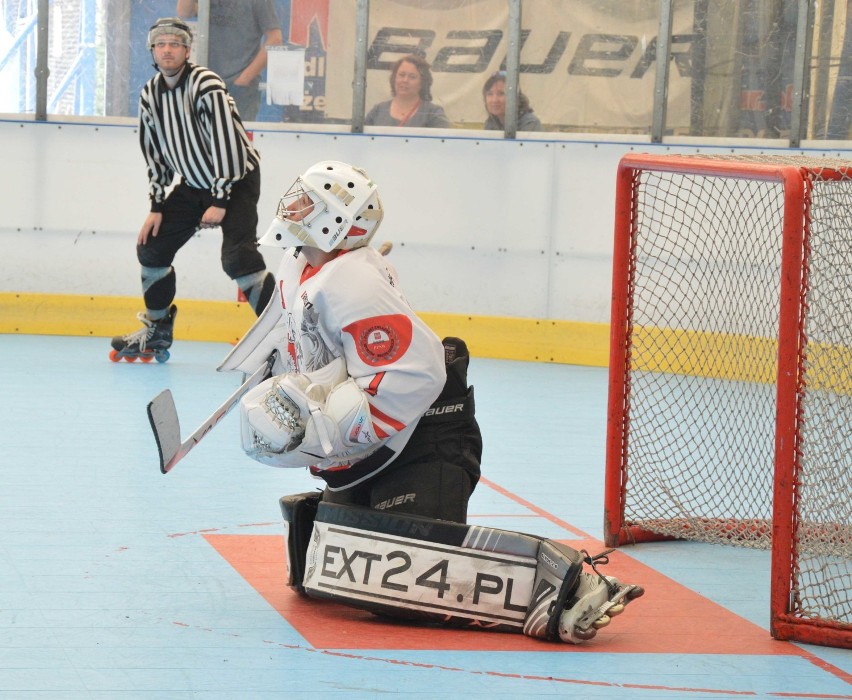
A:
293, 209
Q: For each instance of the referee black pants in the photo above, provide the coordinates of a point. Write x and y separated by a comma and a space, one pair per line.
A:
182, 212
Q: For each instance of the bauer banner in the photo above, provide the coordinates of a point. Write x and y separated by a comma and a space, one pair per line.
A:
582, 63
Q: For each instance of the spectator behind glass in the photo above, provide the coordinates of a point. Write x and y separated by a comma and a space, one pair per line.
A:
494, 94
239, 35
411, 87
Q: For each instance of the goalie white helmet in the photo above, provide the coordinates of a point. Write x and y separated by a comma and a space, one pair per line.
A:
332, 206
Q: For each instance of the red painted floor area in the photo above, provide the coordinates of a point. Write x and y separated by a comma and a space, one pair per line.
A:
667, 619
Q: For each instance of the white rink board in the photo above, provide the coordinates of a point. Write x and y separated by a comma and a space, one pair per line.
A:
480, 225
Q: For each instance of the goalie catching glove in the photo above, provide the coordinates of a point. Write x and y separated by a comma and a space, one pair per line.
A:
316, 419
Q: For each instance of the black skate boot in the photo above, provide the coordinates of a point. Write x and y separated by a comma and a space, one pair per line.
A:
151, 342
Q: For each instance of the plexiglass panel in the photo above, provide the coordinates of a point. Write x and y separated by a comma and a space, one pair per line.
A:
455, 45
586, 66
742, 68
830, 86
590, 65
75, 83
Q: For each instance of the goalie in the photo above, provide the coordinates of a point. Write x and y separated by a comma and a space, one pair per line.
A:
366, 397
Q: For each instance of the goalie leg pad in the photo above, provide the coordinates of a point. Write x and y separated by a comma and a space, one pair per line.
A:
300, 511
414, 567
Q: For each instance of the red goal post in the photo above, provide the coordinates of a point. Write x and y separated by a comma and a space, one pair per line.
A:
730, 395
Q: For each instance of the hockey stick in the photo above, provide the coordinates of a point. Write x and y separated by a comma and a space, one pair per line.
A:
162, 413
163, 417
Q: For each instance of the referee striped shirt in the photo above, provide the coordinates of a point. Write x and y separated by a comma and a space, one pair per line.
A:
193, 130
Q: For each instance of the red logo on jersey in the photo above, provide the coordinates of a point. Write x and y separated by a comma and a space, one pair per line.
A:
381, 340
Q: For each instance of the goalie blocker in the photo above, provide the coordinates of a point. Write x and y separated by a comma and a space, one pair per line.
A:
418, 568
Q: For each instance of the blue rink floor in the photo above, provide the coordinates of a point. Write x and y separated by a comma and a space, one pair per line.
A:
119, 582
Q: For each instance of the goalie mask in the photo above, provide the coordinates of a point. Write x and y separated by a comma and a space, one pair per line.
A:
332, 206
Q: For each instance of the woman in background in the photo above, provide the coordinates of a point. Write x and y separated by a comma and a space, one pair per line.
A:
411, 104
494, 94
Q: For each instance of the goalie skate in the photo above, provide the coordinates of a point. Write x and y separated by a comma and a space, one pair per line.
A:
595, 602
151, 342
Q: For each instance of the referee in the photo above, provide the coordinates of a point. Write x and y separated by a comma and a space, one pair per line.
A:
190, 127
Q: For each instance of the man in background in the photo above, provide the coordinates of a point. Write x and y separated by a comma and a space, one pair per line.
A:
189, 130
239, 32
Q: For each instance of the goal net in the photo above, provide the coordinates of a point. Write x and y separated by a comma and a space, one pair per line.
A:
730, 401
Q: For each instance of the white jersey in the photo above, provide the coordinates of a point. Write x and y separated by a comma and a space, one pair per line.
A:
351, 307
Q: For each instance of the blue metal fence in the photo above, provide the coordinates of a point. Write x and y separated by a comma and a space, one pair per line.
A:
80, 78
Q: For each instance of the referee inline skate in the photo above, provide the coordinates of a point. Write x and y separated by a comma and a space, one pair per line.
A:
151, 342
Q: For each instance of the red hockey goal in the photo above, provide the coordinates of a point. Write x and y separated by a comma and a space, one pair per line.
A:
730, 399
